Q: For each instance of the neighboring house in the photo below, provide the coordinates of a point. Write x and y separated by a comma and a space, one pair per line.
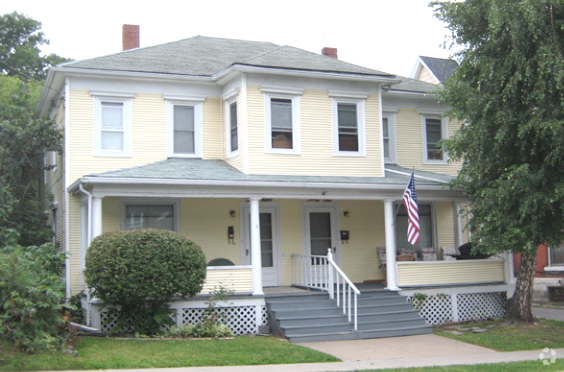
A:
549, 275
433, 70
264, 155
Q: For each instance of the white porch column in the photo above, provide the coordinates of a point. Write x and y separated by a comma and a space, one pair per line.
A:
391, 270
255, 247
96, 217
457, 225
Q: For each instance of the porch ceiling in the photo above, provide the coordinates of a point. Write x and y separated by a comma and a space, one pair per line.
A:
216, 178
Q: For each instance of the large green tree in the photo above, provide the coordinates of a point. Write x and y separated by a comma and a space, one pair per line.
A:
509, 94
20, 41
24, 140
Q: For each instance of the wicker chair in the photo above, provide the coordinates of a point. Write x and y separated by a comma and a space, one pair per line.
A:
410, 251
428, 254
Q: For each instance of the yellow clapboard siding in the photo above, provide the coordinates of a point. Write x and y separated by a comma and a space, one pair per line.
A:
148, 136
409, 143
233, 279
74, 256
445, 224
450, 272
316, 155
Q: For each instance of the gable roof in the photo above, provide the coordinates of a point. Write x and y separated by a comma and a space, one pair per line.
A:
208, 56
441, 68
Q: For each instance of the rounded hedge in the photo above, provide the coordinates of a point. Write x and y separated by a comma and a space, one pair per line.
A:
141, 270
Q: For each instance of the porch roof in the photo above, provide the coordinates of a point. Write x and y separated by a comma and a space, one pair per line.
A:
182, 177
219, 170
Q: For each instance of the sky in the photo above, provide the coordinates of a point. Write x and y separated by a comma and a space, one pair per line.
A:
385, 35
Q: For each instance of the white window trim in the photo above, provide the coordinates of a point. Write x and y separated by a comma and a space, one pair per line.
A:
228, 103
444, 135
196, 103
125, 99
150, 201
391, 116
282, 93
360, 116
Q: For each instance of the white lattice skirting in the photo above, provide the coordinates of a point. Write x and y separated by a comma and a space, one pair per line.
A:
241, 319
441, 308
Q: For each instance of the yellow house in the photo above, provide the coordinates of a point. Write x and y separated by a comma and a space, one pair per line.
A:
269, 157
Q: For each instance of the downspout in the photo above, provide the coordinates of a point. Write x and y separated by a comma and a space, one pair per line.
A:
89, 214
66, 194
88, 240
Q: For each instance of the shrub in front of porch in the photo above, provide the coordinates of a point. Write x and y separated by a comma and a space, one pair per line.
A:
136, 273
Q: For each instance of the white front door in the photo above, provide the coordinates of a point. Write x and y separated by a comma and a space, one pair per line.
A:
271, 256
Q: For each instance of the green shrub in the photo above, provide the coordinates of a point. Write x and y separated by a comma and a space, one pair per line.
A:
31, 296
138, 272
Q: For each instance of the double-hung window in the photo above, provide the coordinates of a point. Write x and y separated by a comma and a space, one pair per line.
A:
231, 123
112, 124
161, 216
556, 256
389, 137
233, 128
425, 223
184, 123
348, 126
282, 120
434, 130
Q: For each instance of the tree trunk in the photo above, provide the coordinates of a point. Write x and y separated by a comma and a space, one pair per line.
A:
519, 307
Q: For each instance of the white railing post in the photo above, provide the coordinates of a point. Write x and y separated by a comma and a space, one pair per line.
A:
330, 281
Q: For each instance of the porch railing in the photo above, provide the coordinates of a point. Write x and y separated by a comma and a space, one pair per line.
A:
322, 273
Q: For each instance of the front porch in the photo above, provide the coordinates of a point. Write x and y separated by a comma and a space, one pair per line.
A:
274, 232
329, 308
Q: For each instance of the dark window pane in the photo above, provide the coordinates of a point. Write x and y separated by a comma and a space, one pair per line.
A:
434, 135
281, 123
233, 127
184, 130
348, 127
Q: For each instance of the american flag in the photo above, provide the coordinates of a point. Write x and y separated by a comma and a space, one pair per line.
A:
410, 202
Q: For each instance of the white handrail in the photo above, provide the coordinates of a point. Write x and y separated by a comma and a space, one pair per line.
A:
348, 308
322, 273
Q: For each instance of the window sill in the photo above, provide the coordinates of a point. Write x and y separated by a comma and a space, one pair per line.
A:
554, 268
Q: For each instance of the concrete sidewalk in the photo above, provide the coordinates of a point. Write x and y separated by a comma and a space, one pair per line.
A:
396, 352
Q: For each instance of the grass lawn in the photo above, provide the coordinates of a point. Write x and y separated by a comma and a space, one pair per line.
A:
502, 337
108, 353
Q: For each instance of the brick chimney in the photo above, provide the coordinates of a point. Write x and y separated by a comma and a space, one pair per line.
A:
330, 52
130, 37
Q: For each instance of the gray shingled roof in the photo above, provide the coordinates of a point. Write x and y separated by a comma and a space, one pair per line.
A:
207, 56
416, 86
218, 170
440, 67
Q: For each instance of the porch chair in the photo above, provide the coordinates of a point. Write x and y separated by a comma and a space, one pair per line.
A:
428, 254
382, 256
447, 252
411, 251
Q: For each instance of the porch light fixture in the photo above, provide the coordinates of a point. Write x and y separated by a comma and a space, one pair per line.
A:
232, 213
346, 213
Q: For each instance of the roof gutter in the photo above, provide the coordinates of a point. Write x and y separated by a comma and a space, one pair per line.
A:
418, 176
306, 74
267, 184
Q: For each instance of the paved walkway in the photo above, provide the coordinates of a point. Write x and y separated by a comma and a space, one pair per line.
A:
549, 313
395, 352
